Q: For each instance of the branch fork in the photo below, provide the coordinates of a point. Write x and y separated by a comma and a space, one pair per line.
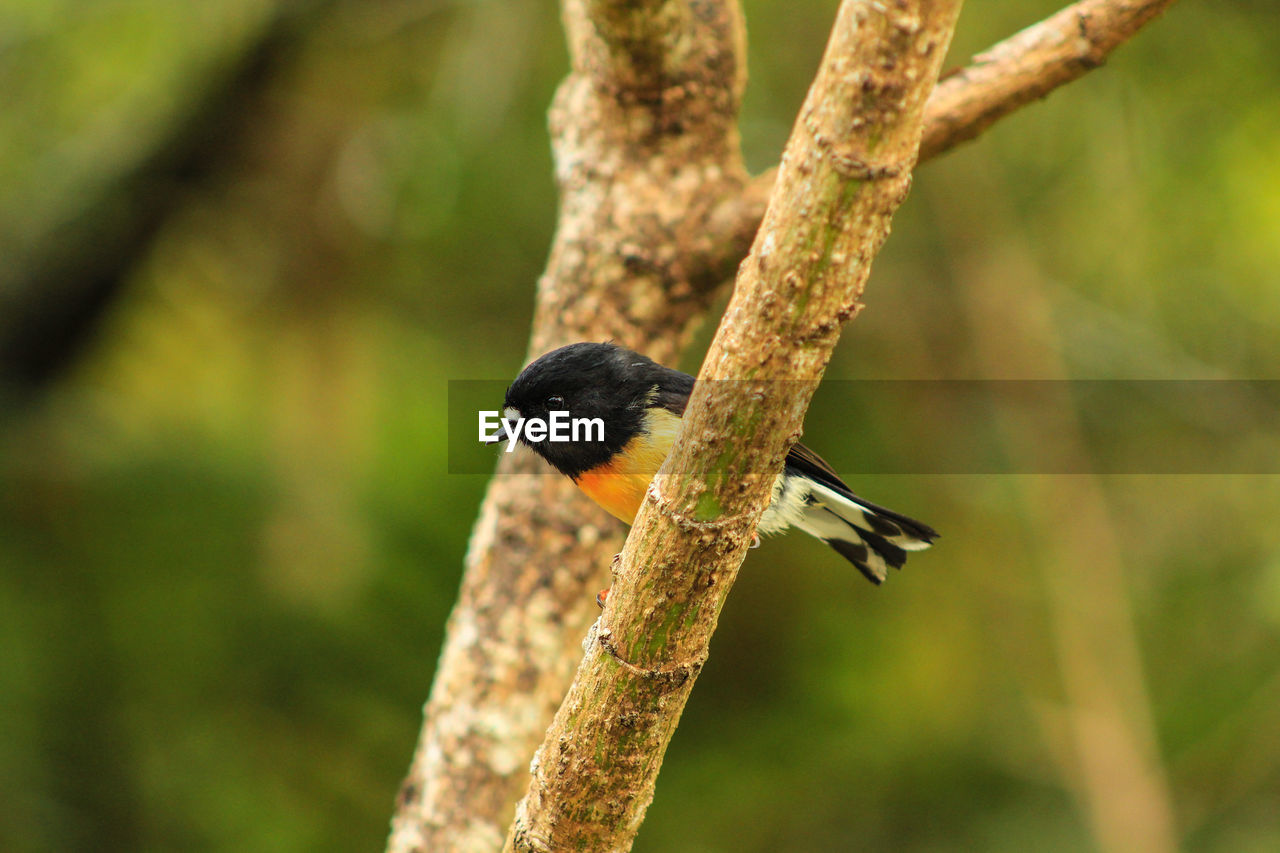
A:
537, 547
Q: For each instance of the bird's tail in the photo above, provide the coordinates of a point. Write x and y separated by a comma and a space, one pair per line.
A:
871, 537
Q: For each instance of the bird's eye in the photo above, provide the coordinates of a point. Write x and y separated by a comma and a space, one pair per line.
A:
555, 401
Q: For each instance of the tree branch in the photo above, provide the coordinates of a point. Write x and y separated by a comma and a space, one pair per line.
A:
1008, 76
646, 150
846, 170
1028, 66
656, 213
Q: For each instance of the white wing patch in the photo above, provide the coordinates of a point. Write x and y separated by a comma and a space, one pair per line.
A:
871, 540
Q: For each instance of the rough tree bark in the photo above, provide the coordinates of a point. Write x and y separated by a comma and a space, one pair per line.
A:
646, 151
846, 169
656, 212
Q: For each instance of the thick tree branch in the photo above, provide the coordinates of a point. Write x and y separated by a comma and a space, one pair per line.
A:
646, 150
846, 170
1011, 74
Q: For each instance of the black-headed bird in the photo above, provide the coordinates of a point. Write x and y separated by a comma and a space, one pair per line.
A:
639, 403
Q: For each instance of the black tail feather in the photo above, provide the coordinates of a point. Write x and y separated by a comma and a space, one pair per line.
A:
858, 547
856, 553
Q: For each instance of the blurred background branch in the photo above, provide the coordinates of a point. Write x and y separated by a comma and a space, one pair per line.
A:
66, 262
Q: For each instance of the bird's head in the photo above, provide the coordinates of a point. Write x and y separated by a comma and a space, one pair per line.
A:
593, 383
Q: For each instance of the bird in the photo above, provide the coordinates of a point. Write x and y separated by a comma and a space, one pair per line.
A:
640, 403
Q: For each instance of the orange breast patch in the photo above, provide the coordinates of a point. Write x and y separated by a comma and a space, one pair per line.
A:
621, 494
619, 485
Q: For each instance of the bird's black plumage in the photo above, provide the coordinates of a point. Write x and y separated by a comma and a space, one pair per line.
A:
625, 390
595, 380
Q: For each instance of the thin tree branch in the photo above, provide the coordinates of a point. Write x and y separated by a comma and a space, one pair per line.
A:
847, 168
1028, 66
1011, 74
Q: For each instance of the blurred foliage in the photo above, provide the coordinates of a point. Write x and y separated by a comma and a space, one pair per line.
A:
228, 536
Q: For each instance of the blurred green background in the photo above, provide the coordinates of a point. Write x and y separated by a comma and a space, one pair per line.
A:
246, 244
